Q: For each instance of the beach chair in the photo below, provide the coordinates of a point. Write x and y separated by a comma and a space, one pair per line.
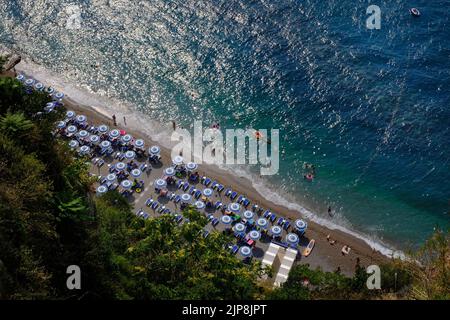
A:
171, 196
245, 202
146, 215
167, 211
234, 249
220, 188
286, 225
148, 202
185, 186
178, 218
210, 217
218, 205
233, 195
177, 199
205, 234
272, 218
207, 182
100, 163
266, 214
280, 221
155, 205
197, 194
215, 222
228, 192
214, 185
255, 207
95, 160
239, 199
143, 167
161, 209
192, 190
180, 184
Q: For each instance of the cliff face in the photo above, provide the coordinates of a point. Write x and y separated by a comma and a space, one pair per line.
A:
11, 61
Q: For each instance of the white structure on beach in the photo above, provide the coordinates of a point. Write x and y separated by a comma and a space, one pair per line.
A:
281, 259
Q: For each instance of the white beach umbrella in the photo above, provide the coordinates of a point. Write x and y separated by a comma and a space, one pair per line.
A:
300, 225
49, 90
262, 223
126, 138
126, 184
169, 172
29, 82
70, 114
292, 239
199, 205
72, 129
61, 125
81, 118
103, 128
177, 160
59, 95
120, 166
191, 166
94, 138
83, 134
73, 144
20, 77
114, 133
239, 228
130, 155
186, 198
111, 177
245, 251
248, 215
136, 173
226, 219
234, 207
160, 183
276, 231
154, 150
255, 235
139, 143
105, 144
39, 86
101, 190
84, 149
207, 192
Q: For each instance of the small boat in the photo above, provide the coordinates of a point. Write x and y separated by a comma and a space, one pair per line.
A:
415, 12
309, 248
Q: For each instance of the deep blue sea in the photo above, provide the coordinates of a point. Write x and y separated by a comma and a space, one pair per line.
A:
370, 108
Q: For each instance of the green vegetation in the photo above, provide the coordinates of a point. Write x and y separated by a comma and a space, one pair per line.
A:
49, 220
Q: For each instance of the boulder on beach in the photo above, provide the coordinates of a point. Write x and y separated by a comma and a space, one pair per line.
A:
12, 61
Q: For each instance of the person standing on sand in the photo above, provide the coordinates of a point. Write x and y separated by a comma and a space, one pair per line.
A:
124, 120
114, 119
174, 125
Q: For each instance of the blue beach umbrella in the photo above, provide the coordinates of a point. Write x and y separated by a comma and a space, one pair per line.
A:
300, 225
81, 118
177, 160
126, 138
101, 190
83, 134
255, 235
84, 149
130, 155
59, 95
234, 207
276, 231
20, 77
73, 144
94, 138
111, 177
120, 166
154, 150
105, 144
245, 251
191, 166
292, 239
114, 133
61, 125
70, 114
186, 198
226, 219
72, 129
126, 184
248, 215
239, 228
207, 192
29, 82
103, 128
160, 183
39, 86
49, 90
139, 143
170, 172
262, 223
136, 173
199, 205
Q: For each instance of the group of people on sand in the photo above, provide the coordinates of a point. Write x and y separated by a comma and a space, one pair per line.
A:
345, 249
115, 120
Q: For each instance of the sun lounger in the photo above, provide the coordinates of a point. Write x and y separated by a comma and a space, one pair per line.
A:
155, 205
178, 218
233, 195
167, 211
143, 167
266, 214
214, 185
280, 221
218, 205
207, 182
228, 192
272, 218
239, 199
185, 186
215, 222
205, 234
192, 190
234, 249
286, 225
197, 194
210, 217
245, 202
100, 163
177, 199
148, 202
220, 188
180, 184
161, 209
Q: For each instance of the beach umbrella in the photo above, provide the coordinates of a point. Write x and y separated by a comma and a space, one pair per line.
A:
83, 134
292, 239
39, 86
139, 143
130, 155
207, 192
276, 231
81, 118
262, 223
169, 172
255, 235
177, 160
61, 125
245, 251
72, 129
70, 114
102, 189
239, 228
191, 166
59, 95
114, 133
29, 82
49, 90
84, 149
186, 198
94, 138
136, 173
154, 150
234, 207
160, 183
199, 205
103, 128
300, 225
73, 144
248, 215
20, 77
226, 219
126, 138
126, 184
105, 144
120, 166
111, 177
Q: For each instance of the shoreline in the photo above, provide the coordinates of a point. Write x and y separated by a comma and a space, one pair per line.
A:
325, 255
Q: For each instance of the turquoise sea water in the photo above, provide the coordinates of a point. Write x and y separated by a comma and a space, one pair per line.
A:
370, 108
